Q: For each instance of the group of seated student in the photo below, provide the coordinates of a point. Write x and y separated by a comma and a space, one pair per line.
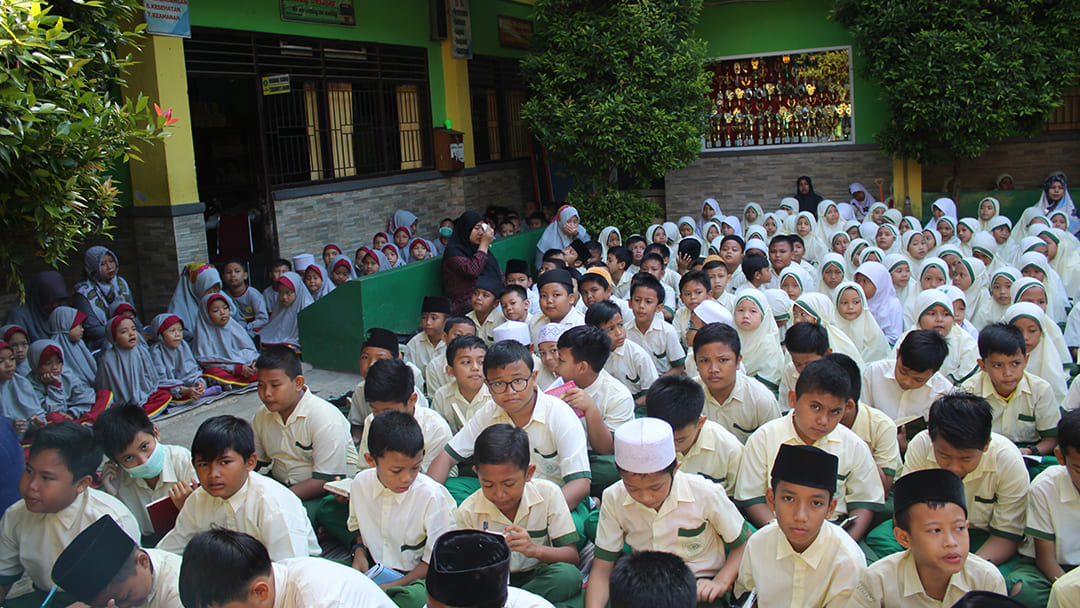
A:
768, 421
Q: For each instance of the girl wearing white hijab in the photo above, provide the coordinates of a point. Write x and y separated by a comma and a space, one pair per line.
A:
943, 206
561, 232
762, 356
1007, 250
933, 241
989, 208
687, 227
1034, 264
960, 312
714, 229
833, 273
283, 327
179, 372
128, 370
1044, 360
970, 276
871, 254
854, 250
861, 199
1063, 250
806, 227
946, 228
773, 223
316, 276
893, 217
984, 247
933, 273
876, 213
756, 232
734, 226
934, 311
847, 212
794, 281
900, 270
710, 209
753, 214
606, 240
913, 246
224, 351
790, 206
966, 228
868, 231
908, 224
888, 238
999, 287
881, 299
829, 222
1031, 290
817, 308
854, 319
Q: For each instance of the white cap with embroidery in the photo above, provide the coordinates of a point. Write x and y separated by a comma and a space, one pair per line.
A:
644, 446
513, 330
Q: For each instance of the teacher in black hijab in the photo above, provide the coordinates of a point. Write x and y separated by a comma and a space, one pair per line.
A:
466, 258
804, 192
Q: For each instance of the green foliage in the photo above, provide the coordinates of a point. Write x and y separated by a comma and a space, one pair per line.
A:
617, 85
61, 128
960, 74
626, 210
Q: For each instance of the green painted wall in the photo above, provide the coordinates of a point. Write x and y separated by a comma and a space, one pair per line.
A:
332, 329
485, 25
785, 25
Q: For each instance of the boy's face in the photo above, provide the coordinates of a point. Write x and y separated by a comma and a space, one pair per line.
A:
549, 355
224, 475
511, 401
218, 311
277, 271
653, 267
503, 484
278, 392
954, 459
780, 254
535, 222
468, 368
138, 451
483, 301
592, 292
7, 364
47, 485
514, 307
546, 266
650, 490
800, 511
459, 329
692, 294
718, 365
718, 278
644, 303
369, 355
637, 250
801, 360
686, 437
909, 379
519, 278
396, 471
409, 407
614, 267
615, 330
233, 275
1005, 371
132, 591
126, 334
286, 296
555, 301
570, 368
815, 415
432, 323
1070, 457
938, 538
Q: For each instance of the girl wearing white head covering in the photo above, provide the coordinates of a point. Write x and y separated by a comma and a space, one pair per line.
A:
1031, 290
893, 217
673, 236
1007, 249
933, 241
962, 360
851, 256
1035, 264
966, 228
942, 207
794, 281
829, 222
913, 246
179, 372
687, 222
762, 356
899, 267
818, 308
225, 352
756, 232
780, 304
840, 243
908, 224
1060, 219
851, 228
1063, 250
733, 226
946, 228
129, 372
752, 214
561, 232
960, 312
606, 240
970, 276
710, 209
65, 325
773, 222
871, 254
868, 231
985, 248
881, 299
999, 298
847, 212
854, 319
934, 272
861, 206
989, 208
806, 227
791, 206
714, 229
284, 327
833, 273
888, 238
1044, 360
876, 213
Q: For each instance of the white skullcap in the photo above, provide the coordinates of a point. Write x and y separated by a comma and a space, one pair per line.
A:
644, 446
757, 244
301, 262
513, 330
711, 311
551, 332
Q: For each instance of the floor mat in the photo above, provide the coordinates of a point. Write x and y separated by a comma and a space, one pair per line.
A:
175, 409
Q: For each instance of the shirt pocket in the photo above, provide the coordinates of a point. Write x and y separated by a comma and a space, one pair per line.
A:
548, 463
692, 541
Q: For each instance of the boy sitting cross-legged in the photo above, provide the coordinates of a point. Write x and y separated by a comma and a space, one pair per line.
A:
529, 512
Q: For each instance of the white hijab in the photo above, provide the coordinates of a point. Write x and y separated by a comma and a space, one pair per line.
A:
1044, 360
761, 352
821, 308
884, 306
863, 329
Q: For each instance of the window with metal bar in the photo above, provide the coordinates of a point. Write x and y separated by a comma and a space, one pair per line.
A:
1066, 117
497, 93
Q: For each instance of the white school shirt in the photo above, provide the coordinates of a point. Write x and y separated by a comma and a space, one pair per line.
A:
632, 365
543, 513
880, 390
556, 438
622, 288
715, 455
879, 433
262, 507
787, 384
614, 400
824, 575
486, 330
315, 443
858, 485
312, 582
750, 405
537, 322
1030, 414
165, 580
1053, 514
996, 491
435, 372
661, 342
400, 529
136, 493
893, 582
1066, 591
358, 405
31, 542
455, 408
435, 430
419, 350
697, 522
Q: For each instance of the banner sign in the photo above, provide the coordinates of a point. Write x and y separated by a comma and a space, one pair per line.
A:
168, 18
333, 12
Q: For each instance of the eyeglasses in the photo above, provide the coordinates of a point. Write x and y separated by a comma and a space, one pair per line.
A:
517, 384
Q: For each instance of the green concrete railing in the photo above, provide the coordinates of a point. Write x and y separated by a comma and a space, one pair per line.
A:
332, 329
1013, 202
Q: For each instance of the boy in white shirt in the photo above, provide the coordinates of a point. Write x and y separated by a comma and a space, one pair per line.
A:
518, 273
466, 393
653, 264
232, 495
628, 362
657, 337
423, 346
485, 299
556, 302
436, 371
381, 344
515, 304
646, 579
693, 290
905, 387
738, 402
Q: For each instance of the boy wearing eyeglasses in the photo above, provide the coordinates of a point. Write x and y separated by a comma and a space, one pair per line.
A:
556, 435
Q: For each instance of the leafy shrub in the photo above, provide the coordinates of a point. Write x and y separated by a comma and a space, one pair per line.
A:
626, 210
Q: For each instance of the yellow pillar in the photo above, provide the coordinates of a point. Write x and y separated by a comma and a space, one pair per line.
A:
458, 103
907, 182
166, 175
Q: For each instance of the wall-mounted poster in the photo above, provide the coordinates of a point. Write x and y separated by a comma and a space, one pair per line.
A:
333, 12
515, 33
168, 18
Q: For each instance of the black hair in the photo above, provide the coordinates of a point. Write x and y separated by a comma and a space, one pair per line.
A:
851, 367
452, 321
778, 239
718, 332
655, 257
601, 312
714, 264
734, 237
595, 263
824, 376
559, 264
463, 343
502, 444
593, 277
754, 263
677, 400
652, 579
622, 254
395, 431
922, 350
634, 238
669, 469
1068, 432
553, 254
220, 433
698, 276
514, 288
1001, 338
276, 356
446, 219
239, 262
74, 443
647, 281
505, 221
117, 427
506, 352
537, 215
794, 238
690, 247
658, 249
594, 248
962, 419
390, 381
589, 344
280, 262
806, 338
128, 568
902, 518
219, 566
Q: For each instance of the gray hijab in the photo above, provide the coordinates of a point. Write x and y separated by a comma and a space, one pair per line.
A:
175, 366
17, 398
128, 372
216, 345
69, 394
284, 327
77, 357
